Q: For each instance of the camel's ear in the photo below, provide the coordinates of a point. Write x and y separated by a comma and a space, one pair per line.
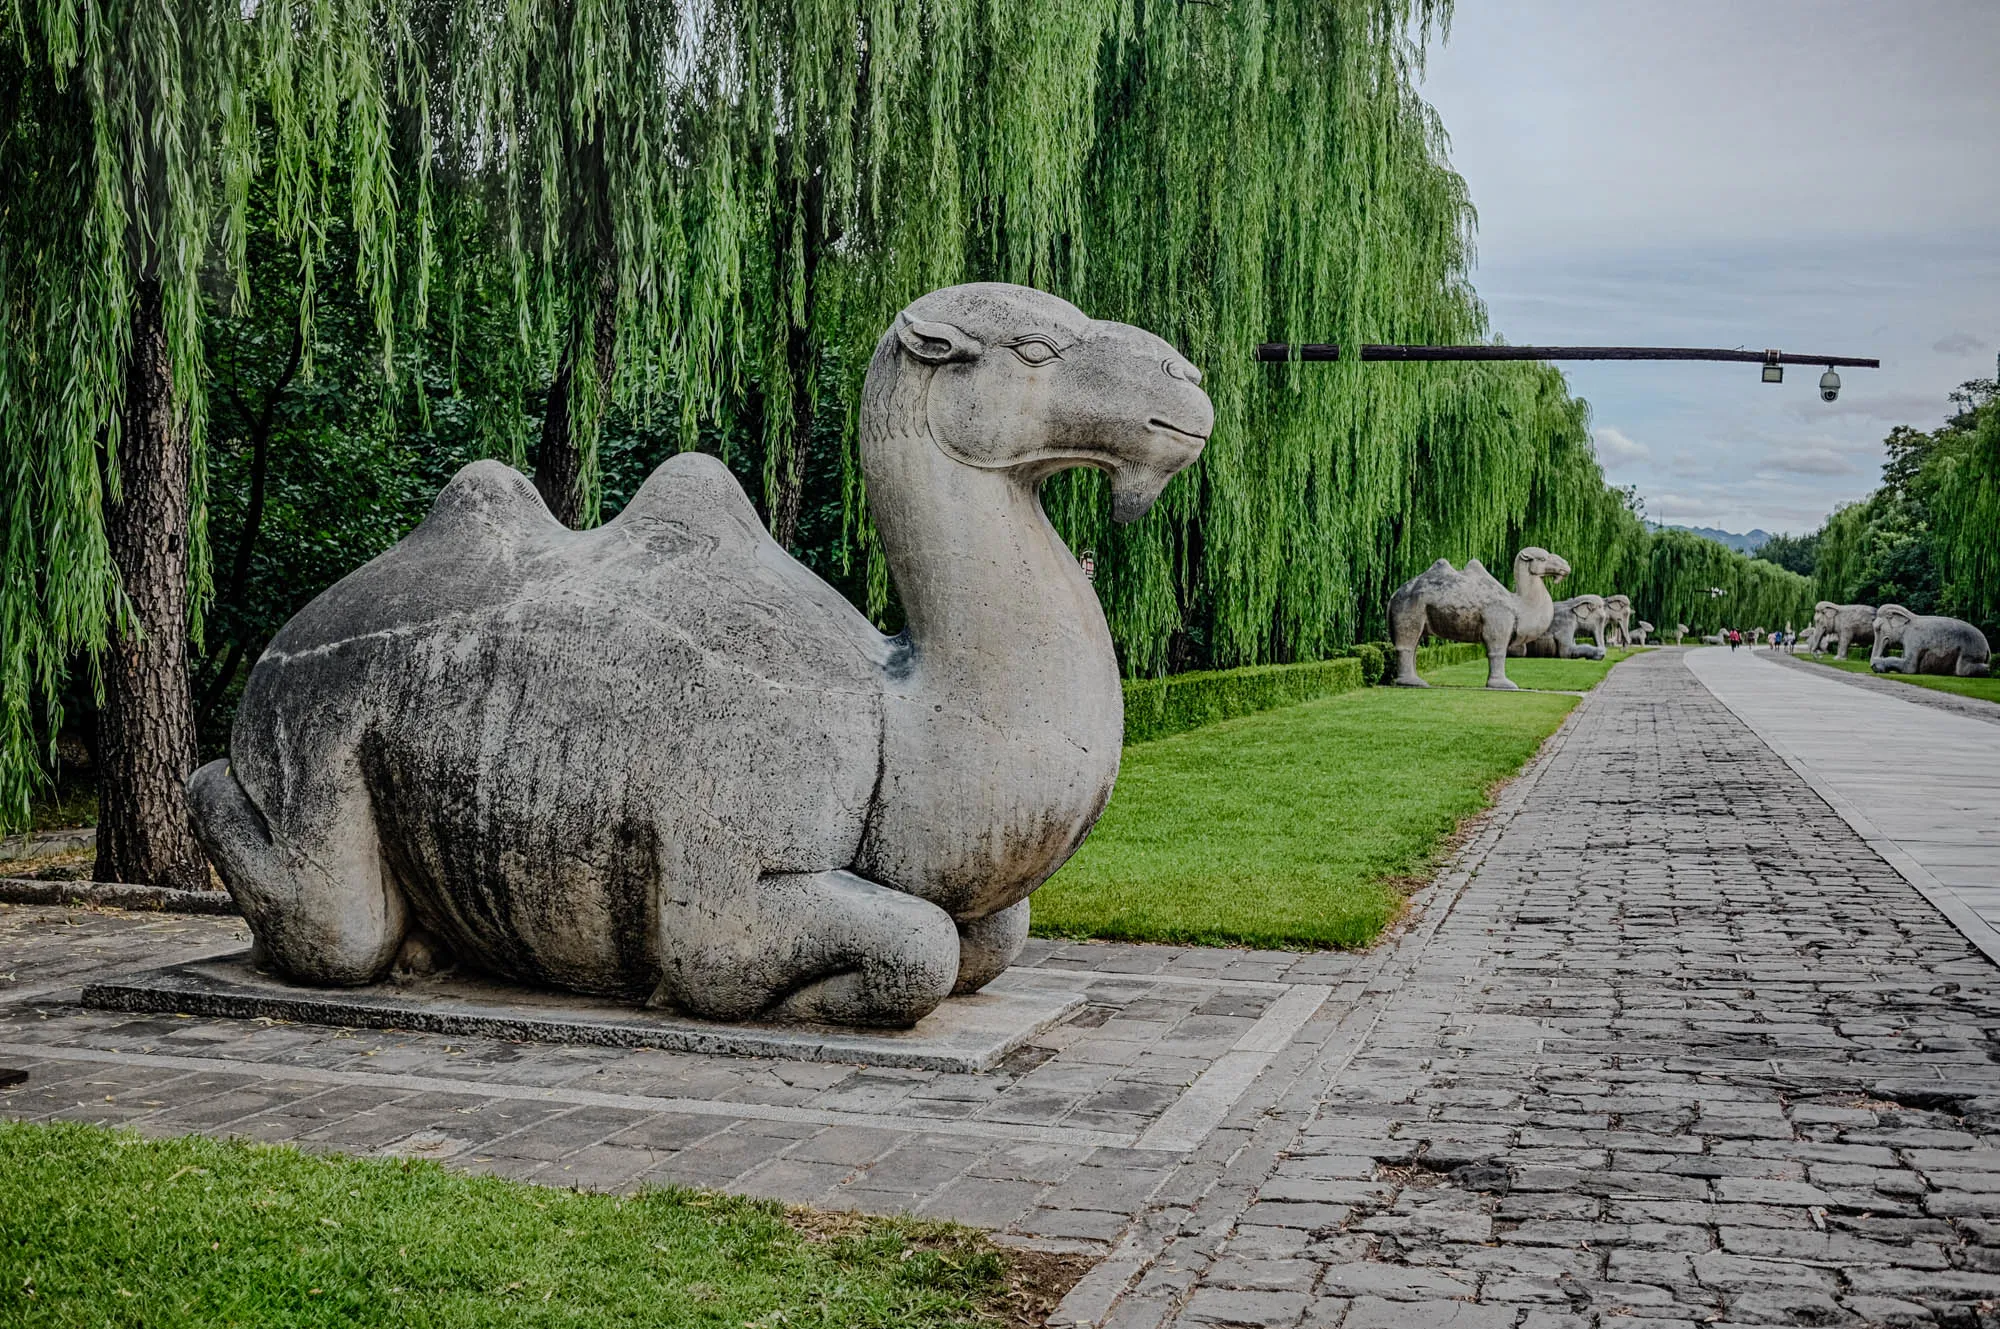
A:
936, 343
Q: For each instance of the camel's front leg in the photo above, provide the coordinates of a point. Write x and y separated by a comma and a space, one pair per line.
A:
1498, 635
986, 946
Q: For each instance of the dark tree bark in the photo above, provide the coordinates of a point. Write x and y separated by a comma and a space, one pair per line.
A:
559, 452
145, 731
261, 424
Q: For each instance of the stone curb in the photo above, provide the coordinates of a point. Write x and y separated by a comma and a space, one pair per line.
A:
1181, 1237
47, 844
1972, 708
114, 895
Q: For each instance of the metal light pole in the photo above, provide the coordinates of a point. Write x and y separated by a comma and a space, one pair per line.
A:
1773, 361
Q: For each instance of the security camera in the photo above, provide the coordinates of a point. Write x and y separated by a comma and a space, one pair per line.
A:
1829, 385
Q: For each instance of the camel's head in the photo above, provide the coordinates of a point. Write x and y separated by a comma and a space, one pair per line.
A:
1540, 563
1890, 621
1023, 381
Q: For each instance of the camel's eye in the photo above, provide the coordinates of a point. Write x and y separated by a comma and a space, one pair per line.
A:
1035, 350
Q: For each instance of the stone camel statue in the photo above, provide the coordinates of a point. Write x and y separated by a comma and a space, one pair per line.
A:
663, 760
1849, 625
1640, 632
1614, 631
1680, 633
1582, 613
1471, 606
1932, 644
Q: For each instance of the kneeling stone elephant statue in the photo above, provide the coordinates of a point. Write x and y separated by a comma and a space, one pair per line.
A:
1931, 645
663, 760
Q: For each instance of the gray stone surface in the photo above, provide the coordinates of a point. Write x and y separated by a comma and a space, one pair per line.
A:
1581, 613
970, 1033
1734, 1071
1836, 627
662, 760
1471, 606
1613, 630
1641, 631
1931, 644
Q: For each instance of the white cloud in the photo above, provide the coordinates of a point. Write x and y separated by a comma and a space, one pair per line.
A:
1615, 446
1958, 343
1808, 461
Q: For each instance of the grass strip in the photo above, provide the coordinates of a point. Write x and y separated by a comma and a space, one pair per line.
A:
1299, 827
102, 1227
1983, 689
1546, 675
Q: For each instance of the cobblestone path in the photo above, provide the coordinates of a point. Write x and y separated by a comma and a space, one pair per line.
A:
1668, 1045
1684, 1051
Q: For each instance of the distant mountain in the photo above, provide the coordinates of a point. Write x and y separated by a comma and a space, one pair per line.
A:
1746, 544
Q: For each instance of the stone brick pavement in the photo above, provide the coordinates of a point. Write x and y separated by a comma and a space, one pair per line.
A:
1684, 1052
1668, 1046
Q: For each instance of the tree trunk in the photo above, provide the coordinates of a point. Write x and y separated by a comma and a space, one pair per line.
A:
559, 453
146, 744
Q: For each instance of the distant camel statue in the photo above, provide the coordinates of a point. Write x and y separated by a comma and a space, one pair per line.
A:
1472, 606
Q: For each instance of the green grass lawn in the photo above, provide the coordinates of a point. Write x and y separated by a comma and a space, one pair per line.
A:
1985, 689
1297, 827
1548, 675
104, 1228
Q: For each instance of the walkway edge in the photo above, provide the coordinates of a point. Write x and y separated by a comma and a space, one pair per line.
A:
1112, 1287
1942, 897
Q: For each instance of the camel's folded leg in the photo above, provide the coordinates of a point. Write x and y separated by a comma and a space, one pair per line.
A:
986, 946
316, 897
821, 946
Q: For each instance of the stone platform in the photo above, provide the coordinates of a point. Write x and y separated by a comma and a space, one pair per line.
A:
966, 1034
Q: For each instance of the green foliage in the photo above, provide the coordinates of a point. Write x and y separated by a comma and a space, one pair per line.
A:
104, 1227
451, 208
1158, 707
1445, 655
1794, 553
1929, 538
1374, 662
1674, 583
1294, 827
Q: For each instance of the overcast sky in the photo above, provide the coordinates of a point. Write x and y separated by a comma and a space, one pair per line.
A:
1816, 176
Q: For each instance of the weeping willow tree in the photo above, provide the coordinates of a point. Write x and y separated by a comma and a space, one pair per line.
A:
122, 146
702, 215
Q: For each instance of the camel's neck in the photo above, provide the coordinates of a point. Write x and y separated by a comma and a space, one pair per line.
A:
1530, 590
997, 607
1002, 735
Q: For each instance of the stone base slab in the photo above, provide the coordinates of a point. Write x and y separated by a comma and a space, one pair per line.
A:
966, 1034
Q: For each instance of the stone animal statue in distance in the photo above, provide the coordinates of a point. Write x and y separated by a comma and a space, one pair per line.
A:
1615, 629
1680, 633
1932, 644
1578, 614
1641, 632
1837, 627
663, 760
1472, 606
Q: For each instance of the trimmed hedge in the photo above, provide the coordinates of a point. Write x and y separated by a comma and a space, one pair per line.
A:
1162, 707
1159, 707
1448, 653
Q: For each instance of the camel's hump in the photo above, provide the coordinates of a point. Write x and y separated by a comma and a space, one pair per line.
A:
687, 555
